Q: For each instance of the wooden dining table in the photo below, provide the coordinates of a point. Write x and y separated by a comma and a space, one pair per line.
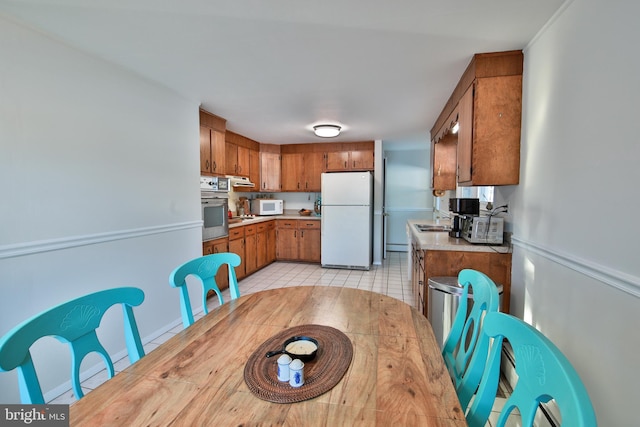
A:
397, 376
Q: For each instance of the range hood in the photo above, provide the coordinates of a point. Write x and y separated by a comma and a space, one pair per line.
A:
240, 181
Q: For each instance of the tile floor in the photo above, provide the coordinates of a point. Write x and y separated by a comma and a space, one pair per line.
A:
390, 278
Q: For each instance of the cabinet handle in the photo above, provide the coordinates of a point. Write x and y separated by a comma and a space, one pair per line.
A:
345, 164
302, 234
206, 164
264, 185
295, 233
214, 166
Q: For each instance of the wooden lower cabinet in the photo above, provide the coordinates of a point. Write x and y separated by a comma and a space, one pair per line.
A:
432, 263
214, 247
309, 241
298, 240
255, 244
287, 239
271, 239
265, 243
236, 246
250, 249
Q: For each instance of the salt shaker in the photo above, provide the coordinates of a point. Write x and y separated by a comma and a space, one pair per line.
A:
296, 373
283, 367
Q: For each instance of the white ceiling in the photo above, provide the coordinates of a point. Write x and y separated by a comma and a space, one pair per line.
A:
382, 69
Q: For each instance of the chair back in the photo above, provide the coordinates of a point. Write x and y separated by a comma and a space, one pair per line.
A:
75, 323
204, 268
465, 349
544, 373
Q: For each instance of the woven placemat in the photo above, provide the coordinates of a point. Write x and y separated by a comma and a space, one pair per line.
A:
321, 374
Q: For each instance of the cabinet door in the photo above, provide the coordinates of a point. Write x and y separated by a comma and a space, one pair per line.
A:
250, 254
244, 161
309, 240
271, 241
292, 167
443, 168
270, 172
337, 161
362, 160
313, 166
205, 150
287, 244
231, 158
222, 277
254, 171
489, 146
217, 152
261, 246
465, 136
236, 246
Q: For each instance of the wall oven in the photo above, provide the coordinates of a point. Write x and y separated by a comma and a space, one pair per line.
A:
214, 194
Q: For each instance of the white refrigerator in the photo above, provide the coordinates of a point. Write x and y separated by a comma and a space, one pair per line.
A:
346, 234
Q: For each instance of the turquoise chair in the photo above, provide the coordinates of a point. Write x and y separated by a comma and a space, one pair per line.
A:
204, 268
544, 373
75, 323
465, 349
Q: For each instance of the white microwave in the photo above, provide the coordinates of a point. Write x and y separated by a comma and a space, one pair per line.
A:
267, 207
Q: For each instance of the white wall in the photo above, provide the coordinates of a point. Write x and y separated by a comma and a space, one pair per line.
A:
407, 187
576, 275
99, 172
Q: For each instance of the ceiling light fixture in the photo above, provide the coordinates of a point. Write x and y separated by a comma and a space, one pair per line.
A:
327, 131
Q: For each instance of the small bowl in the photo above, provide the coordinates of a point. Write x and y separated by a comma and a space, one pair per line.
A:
304, 212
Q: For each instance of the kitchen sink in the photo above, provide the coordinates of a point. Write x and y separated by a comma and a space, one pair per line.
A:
429, 227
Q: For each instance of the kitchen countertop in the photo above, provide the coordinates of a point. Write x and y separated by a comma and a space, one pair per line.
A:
288, 214
440, 240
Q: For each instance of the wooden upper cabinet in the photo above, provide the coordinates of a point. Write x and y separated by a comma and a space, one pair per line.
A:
488, 99
492, 157
291, 172
254, 168
212, 144
205, 150
240, 161
269, 171
337, 161
357, 156
465, 136
443, 163
362, 160
313, 168
237, 160
301, 171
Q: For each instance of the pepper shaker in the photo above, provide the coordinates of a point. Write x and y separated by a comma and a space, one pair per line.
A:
296, 373
283, 367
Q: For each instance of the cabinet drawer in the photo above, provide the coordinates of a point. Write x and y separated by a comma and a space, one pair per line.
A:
308, 224
287, 223
250, 230
236, 233
263, 226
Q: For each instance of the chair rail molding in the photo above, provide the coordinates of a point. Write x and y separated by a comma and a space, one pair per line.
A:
616, 279
30, 248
